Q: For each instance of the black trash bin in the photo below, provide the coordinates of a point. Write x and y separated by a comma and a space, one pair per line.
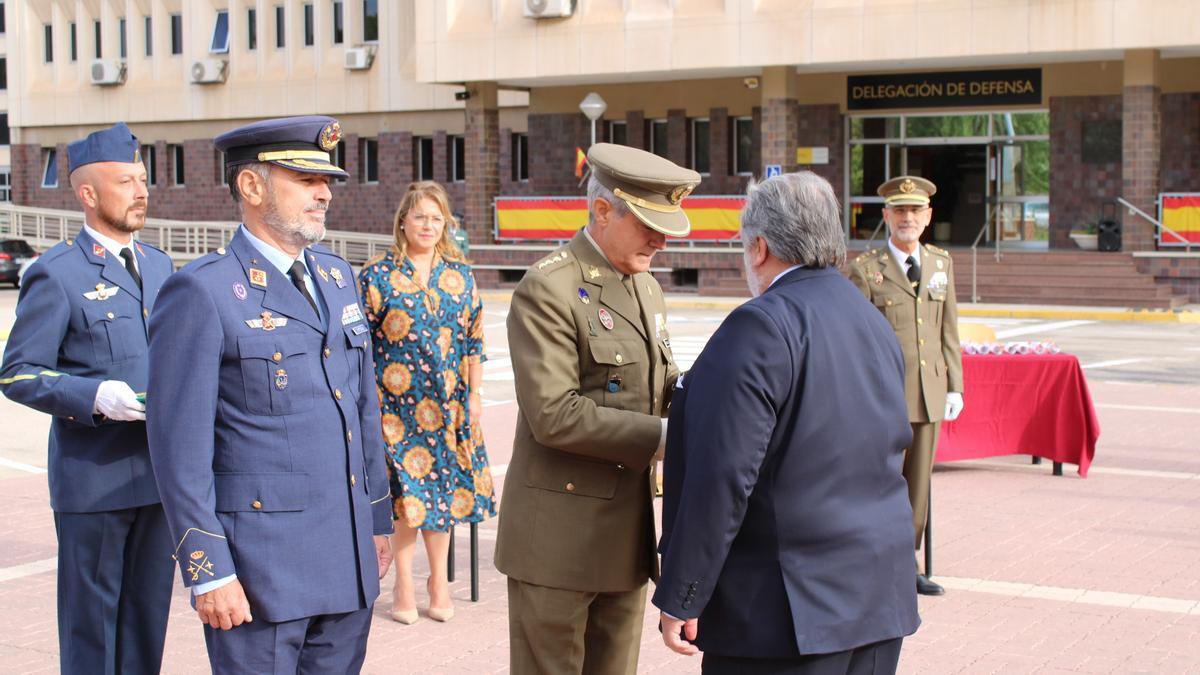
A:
1108, 230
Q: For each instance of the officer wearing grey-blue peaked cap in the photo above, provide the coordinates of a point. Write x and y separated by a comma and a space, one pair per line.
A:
266, 439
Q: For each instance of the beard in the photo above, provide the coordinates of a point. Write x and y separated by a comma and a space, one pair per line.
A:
296, 231
751, 280
130, 220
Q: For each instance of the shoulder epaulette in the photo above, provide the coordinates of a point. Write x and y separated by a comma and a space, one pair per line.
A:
553, 261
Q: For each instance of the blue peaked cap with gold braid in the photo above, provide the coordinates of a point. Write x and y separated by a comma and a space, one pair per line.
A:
114, 144
298, 143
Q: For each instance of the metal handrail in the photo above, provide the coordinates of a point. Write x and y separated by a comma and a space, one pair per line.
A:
875, 232
987, 220
182, 240
1161, 228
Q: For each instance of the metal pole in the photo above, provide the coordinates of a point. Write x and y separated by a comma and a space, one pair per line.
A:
450, 557
593, 132
474, 562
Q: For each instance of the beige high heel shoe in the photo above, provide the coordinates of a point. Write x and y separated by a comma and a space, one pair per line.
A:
442, 614
407, 618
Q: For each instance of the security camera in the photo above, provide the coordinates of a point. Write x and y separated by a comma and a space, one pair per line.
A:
750, 82
462, 95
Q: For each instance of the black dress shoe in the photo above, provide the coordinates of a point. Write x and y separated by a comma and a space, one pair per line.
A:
927, 587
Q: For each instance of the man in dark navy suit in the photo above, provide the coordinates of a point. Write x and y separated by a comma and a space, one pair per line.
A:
786, 526
78, 352
264, 421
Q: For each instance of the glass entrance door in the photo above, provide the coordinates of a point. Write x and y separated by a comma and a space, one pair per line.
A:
1018, 193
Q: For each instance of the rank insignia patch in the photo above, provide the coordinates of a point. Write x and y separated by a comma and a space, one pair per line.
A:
337, 277
258, 277
102, 292
199, 563
98, 251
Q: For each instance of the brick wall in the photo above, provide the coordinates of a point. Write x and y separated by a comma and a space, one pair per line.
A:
552, 142
482, 152
821, 126
1180, 158
1183, 274
1076, 188
1141, 145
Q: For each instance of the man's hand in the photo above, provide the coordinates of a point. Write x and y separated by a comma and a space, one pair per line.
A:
383, 553
954, 405
475, 403
224, 607
116, 401
674, 631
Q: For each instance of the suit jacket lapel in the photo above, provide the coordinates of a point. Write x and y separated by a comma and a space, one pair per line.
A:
152, 281
613, 293
112, 269
279, 295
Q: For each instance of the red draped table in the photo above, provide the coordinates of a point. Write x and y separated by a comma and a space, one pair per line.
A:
1030, 404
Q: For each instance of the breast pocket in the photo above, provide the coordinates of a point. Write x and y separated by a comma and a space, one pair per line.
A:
619, 373
117, 331
276, 374
358, 342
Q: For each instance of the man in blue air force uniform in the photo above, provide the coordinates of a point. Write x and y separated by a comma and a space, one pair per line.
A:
78, 352
264, 421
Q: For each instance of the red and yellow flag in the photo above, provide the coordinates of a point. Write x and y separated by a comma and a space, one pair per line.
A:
580, 162
712, 218
1181, 213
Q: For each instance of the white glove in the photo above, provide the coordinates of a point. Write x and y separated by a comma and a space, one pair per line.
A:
954, 405
116, 401
662, 442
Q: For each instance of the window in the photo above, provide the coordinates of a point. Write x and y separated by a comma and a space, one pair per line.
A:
74, 43
222, 175
520, 156
149, 37
743, 142
370, 20
369, 147
3, 73
280, 36
96, 35
5, 175
4, 135
658, 137
252, 29
150, 160
50, 172
176, 33
124, 44
700, 155
177, 168
457, 150
616, 133
220, 34
339, 159
48, 47
309, 38
424, 159
2, 27
339, 22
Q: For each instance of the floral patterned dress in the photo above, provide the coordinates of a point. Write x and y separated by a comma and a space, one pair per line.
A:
425, 340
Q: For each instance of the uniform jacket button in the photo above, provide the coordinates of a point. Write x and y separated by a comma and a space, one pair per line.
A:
889, 303
327, 352
353, 480
570, 487
920, 321
619, 357
921, 341
918, 301
349, 435
110, 315
277, 357
145, 312
256, 504
337, 393
922, 362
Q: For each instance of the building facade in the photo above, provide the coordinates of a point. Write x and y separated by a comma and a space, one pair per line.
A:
1032, 116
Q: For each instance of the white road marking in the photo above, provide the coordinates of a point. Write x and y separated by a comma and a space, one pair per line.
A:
1110, 364
28, 569
21, 466
1149, 408
1039, 328
1082, 596
994, 465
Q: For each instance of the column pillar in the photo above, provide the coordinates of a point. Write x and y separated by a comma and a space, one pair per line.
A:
482, 149
1141, 138
780, 118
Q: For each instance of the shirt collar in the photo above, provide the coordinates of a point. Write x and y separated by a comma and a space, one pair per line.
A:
781, 274
281, 261
111, 245
902, 257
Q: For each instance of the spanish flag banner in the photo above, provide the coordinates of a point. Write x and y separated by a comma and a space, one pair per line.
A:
713, 218
1180, 212
580, 161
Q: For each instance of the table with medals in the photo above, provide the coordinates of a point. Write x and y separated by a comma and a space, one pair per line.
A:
1023, 404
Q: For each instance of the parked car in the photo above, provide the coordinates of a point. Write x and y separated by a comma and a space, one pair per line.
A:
15, 256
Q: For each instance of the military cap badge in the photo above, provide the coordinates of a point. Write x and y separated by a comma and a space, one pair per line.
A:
330, 135
680, 192
908, 187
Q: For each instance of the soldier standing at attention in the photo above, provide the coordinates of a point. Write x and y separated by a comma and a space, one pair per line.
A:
913, 285
593, 367
264, 420
78, 352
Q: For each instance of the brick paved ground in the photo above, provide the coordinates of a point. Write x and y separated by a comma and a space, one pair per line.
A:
1045, 574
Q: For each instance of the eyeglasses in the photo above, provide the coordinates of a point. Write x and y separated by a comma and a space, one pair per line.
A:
436, 221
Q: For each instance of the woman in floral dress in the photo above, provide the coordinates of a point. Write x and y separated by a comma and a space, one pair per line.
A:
427, 325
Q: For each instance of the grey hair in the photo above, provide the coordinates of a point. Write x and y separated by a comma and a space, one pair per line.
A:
596, 190
798, 215
261, 169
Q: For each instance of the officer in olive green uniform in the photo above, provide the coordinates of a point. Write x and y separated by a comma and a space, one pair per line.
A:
913, 285
593, 367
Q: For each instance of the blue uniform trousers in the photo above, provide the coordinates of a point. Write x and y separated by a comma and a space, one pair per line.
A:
114, 590
316, 645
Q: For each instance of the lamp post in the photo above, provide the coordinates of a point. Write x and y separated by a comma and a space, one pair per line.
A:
593, 106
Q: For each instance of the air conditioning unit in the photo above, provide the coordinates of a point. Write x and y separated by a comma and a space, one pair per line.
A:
108, 72
548, 9
359, 58
209, 71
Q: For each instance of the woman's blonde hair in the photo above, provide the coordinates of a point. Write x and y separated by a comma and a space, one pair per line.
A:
427, 189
